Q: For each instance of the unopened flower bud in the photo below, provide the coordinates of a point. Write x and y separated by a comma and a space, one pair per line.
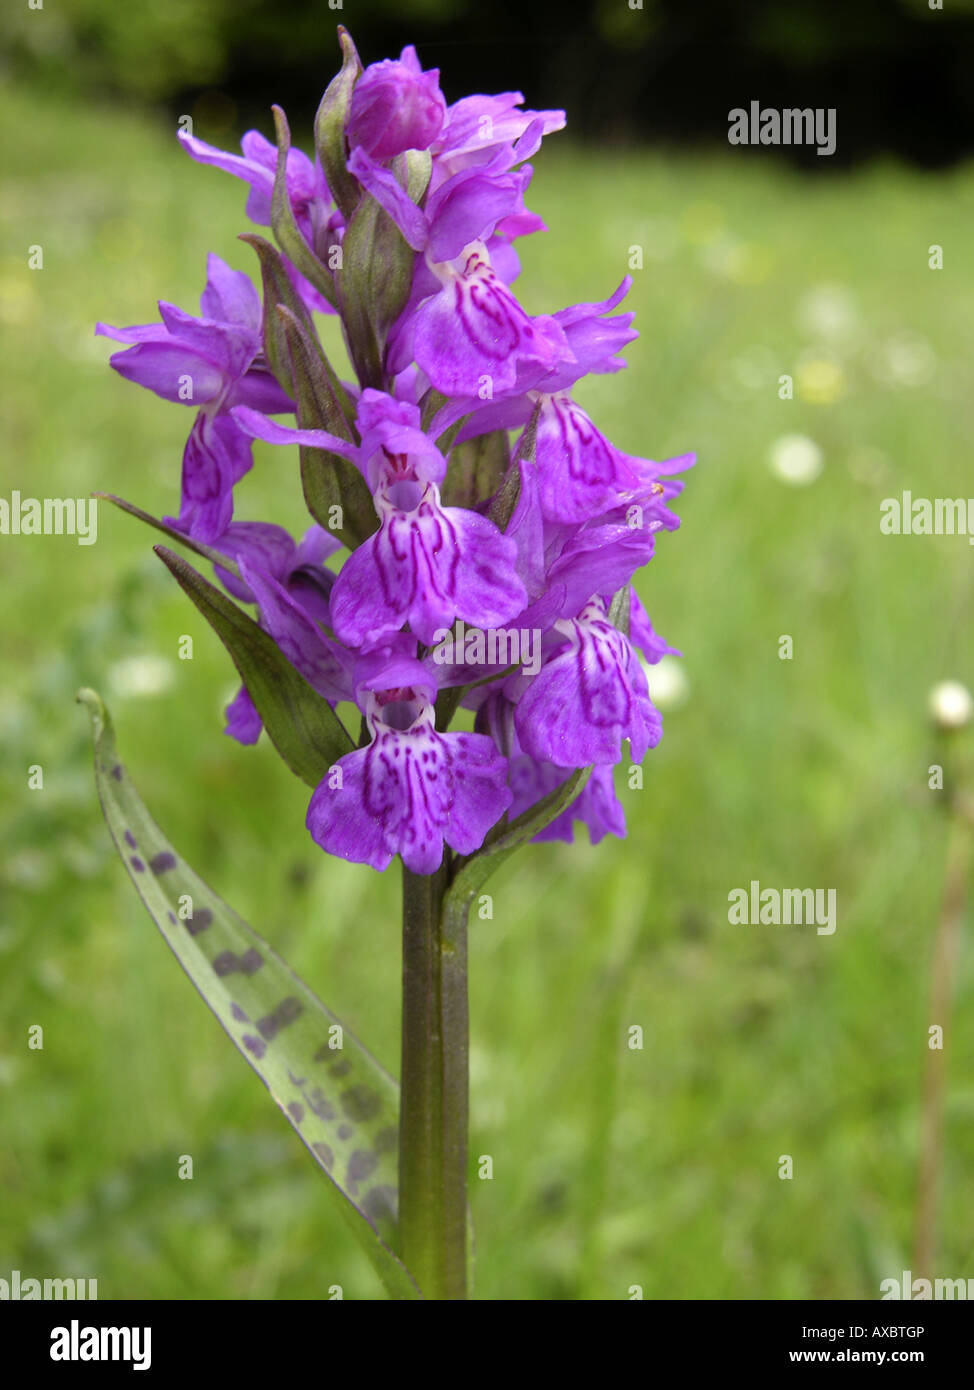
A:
396, 107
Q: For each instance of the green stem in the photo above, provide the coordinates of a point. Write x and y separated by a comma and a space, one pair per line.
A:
434, 1113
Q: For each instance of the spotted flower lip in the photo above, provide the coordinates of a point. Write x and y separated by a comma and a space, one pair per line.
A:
473, 335
412, 789
588, 698
427, 564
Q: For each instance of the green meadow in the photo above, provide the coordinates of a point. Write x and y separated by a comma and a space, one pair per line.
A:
613, 1165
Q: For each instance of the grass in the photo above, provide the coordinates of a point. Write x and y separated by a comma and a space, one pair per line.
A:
612, 1166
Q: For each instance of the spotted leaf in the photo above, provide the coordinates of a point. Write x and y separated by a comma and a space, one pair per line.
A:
340, 1101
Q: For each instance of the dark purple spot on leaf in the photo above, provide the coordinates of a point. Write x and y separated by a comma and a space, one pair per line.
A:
386, 1139
345, 1131
172, 917
225, 963
379, 1204
117, 772
137, 864
286, 1012
320, 1103
296, 1111
361, 1104
130, 840
200, 920
239, 1014
296, 1080
251, 961
324, 1154
254, 1045
339, 1067
159, 863
360, 1165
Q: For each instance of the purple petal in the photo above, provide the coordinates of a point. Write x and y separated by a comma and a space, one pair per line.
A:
395, 107
583, 703
474, 332
216, 457
389, 193
172, 371
243, 721
229, 296
322, 663
580, 473
259, 543
407, 793
258, 174
257, 425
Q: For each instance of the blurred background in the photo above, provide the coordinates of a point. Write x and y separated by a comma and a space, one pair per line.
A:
655, 1167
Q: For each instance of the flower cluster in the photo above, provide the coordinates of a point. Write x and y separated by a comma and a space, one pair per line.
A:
480, 534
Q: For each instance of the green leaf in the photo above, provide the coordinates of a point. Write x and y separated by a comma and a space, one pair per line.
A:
300, 723
342, 1103
330, 127
285, 228
205, 552
328, 480
277, 291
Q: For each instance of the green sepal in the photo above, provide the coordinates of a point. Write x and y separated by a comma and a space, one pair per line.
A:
283, 223
330, 128
476, 470
328, 480
373, 286
278, 290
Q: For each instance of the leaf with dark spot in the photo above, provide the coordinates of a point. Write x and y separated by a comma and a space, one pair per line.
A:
241, 978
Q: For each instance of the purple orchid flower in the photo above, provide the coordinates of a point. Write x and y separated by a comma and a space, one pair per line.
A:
214, 362
389, 627
413, 788
427, 564
588, 697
